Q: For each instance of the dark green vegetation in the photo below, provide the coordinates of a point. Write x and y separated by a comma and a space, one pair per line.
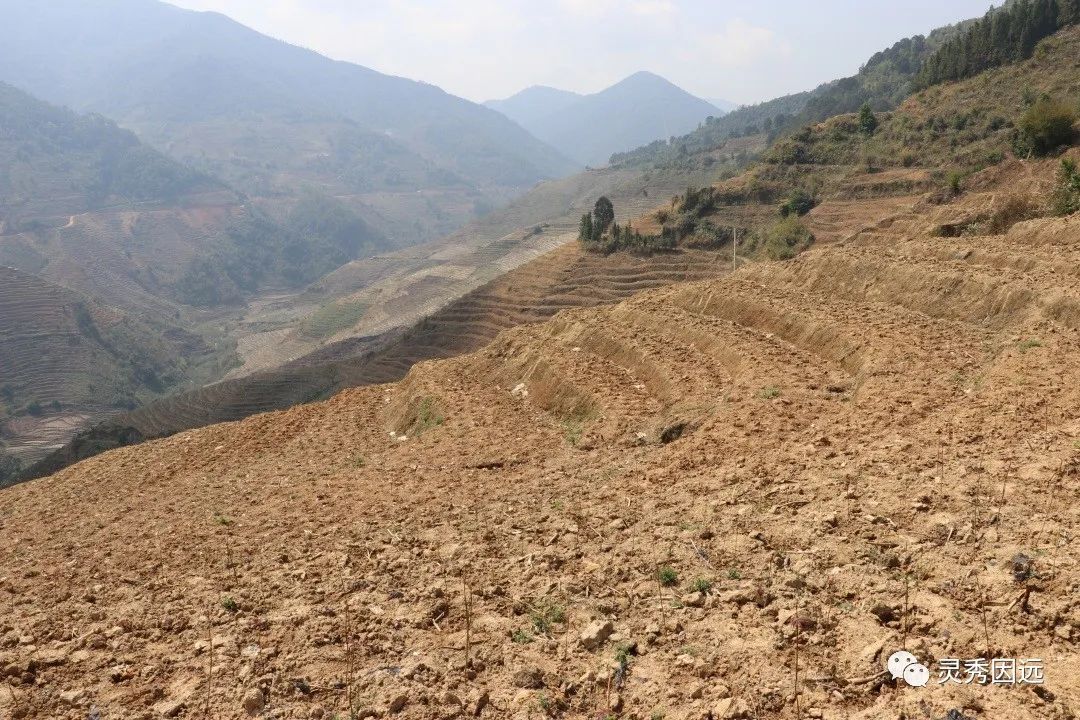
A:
1004, 35
1044, 127
1025, 108
598, 232
318, 235
1067, 193
268, 117
57, 163
590, 128
883, 82
781, 240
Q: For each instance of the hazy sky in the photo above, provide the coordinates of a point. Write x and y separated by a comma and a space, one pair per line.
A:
744, 51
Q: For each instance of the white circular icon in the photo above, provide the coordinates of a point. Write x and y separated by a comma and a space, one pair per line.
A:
916, 675
898, 661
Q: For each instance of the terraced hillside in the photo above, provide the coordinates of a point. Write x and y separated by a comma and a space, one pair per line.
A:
853, 176
68, 361
564, 278
730, 498
168, 254
373, 296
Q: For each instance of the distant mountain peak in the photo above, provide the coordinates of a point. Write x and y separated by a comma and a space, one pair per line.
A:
638, 109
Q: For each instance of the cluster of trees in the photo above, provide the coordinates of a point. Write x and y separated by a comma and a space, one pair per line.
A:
598, 232
1004, 35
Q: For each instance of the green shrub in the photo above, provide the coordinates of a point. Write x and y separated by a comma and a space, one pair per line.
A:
428, 415
1067, 194
798, 203
598, 232
545, 615
785, 239
667, 576
867, 120
1046, 126
953, 183
702, 585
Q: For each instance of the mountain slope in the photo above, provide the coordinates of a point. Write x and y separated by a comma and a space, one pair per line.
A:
659, 507
163, 253
66, 361
266, 116
528, 106
637, 110
57, 164
883, 81
86, 205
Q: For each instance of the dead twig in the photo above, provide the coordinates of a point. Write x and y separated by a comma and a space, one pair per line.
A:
468, 622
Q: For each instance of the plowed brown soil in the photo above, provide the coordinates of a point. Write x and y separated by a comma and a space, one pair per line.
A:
870, 447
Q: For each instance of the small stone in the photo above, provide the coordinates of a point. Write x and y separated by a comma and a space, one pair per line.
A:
169, 708
254, 701
531, 678
731, 709
316, 712
594, 635
398, 703
697, 693
478, 700
694, 599
73, 697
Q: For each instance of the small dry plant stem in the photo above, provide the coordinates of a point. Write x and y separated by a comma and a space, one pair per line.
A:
348, 657
468, 622
209, 663
982, 614
798, 638
660, 596
906, 621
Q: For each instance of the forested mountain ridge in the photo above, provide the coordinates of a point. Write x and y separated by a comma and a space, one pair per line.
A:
1004, 35
58, 163
883, 81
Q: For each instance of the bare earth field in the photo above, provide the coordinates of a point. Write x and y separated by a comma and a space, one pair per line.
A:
871, 447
